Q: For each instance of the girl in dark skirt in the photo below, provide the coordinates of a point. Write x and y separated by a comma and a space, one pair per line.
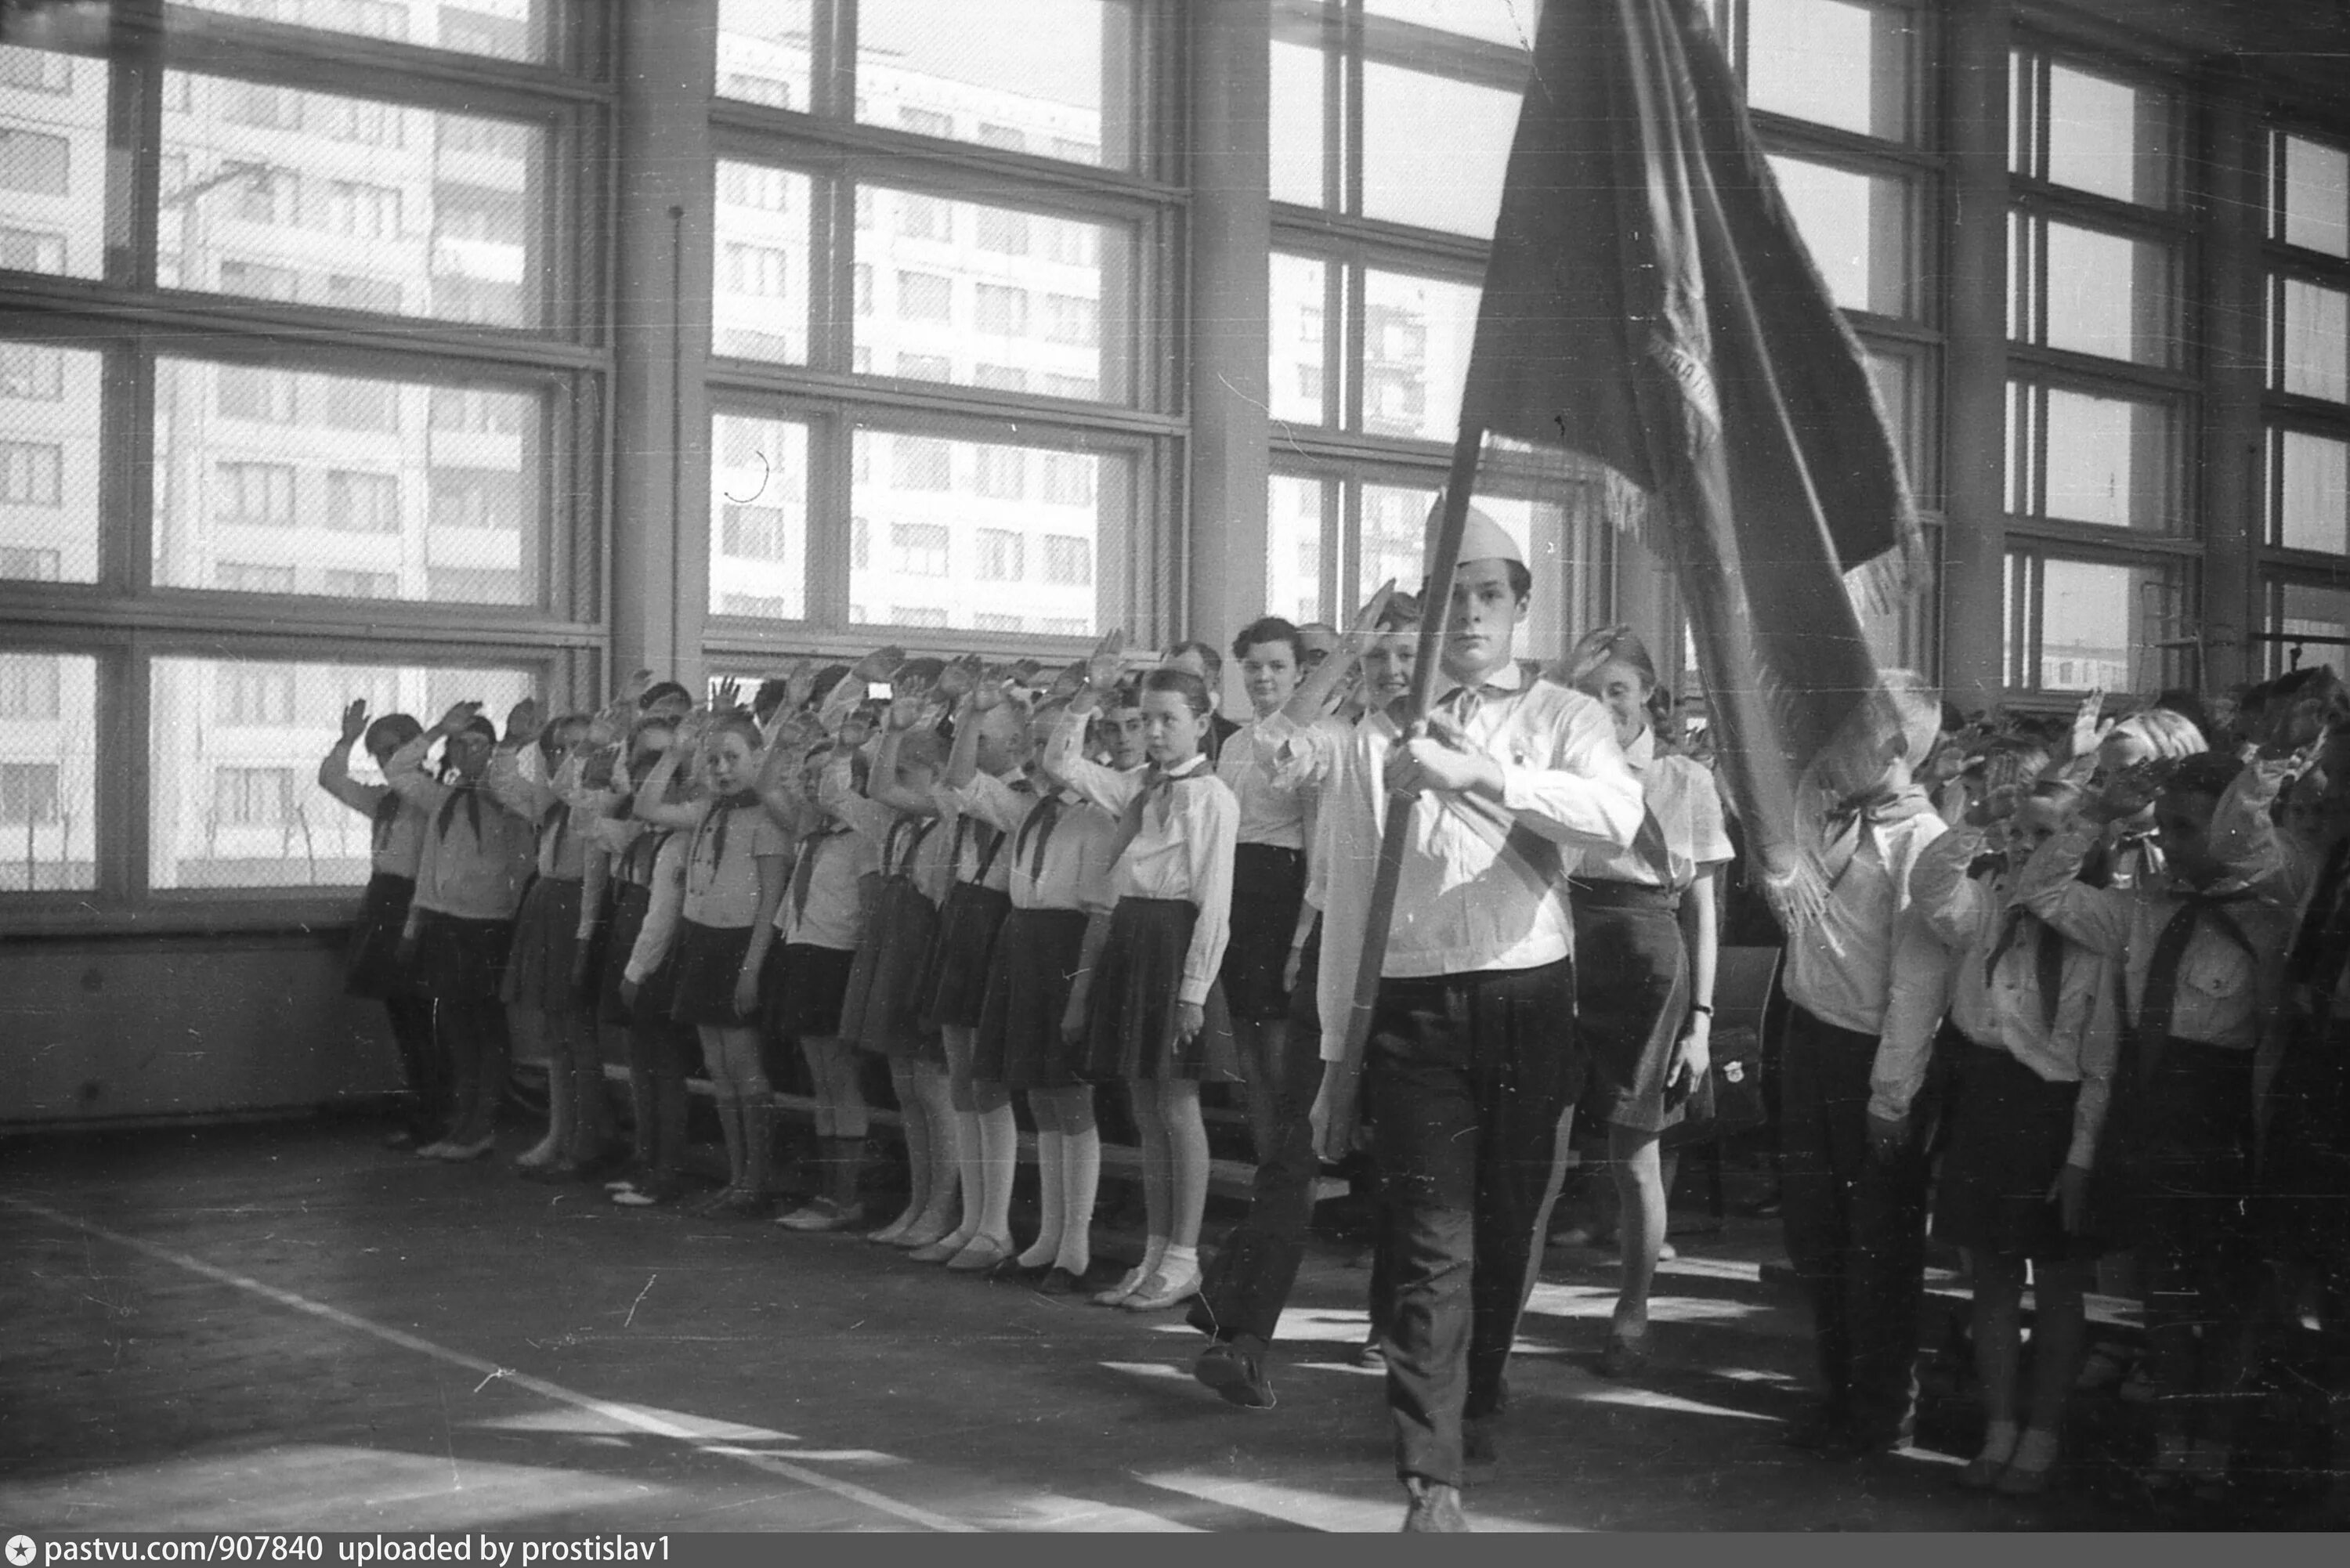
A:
735, 863
988, 1139
1059, 851
373, 966
540, 981
1268, 871
1646, 935
885, 1007
1151, 1009
632, 989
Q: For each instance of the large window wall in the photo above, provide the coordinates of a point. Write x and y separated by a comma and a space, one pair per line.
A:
302, 371
943, 394
2307, 402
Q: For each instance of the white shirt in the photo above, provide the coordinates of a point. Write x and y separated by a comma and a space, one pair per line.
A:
1273, 809
1078, 856
397, 845
655, 937
1183, 848
1839, 966
1463, 904
1682, 797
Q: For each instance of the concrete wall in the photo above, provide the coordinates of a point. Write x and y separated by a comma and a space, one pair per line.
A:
128, 1029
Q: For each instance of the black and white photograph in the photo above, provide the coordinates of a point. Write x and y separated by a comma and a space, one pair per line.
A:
1158, 766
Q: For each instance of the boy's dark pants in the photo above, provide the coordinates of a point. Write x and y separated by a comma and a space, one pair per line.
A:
1856, 1225
1467, 1078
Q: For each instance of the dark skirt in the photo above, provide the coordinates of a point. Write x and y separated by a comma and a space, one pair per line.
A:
545, 947
802, 990
707, 964
1130, 1004
2305, 1176
372, 965
2175, 1161
882, 1011
462, 962
1020, 1041
1268, 886
1631, 971
2010, 1130
629, 906
956, 982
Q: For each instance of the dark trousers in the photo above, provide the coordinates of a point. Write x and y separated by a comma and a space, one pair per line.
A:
1468, 1078
1856, 1226
422, 1062
1251, 1281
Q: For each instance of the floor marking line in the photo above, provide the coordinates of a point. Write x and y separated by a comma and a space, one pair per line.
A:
624, 1414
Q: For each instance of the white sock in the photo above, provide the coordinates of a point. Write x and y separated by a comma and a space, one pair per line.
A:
1179, 1262
1051, 1198
1154, 1252
1999, 1442
1080, 1181
2037, 1451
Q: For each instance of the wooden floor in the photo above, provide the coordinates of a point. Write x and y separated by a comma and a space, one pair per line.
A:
294, 1328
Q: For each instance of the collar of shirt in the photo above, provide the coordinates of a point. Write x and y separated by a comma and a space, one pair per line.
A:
1184, 769
1642, 752
1503, 680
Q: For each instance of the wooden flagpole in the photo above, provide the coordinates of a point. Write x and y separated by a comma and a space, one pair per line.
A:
1435, 616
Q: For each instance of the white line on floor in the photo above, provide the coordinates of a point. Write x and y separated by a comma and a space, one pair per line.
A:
626, 1415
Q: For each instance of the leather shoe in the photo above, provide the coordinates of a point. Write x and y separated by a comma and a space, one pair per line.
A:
1626, 1355
938, 1252
1162, 1290
1434, 1509
1059, 1282
978, 1254
1234, 1368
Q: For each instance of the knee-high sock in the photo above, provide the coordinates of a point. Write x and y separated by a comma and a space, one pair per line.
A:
1080, 1182
1051, 1198
999, 1159
730, 1127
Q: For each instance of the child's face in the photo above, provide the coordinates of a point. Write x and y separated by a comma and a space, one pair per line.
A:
1128, 746
732, 762
1002, 741
1485, 624
464, 755
2033, 823
1388, 666
1624, 694
915, 779
2182, 825
1268, 674
1171, 731
2122, 750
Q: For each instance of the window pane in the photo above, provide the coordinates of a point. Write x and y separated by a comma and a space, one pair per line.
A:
2301, 610
758, 517
2109, 460
1293, 538
1898, 377
2316, 196
1830, 62
398, 489
1393, 537
1452, 182
48, 462
1858, 228
2314, 341
939, 306
503, 29
1495, 21
764, 51
1297, 340
52, 164
2313, 492
234, 747
1296, 131
759, 293
1059, 72
2108, 137
2097, 622
933, 515
2109, 296
276, 193
1416, 332
49, 772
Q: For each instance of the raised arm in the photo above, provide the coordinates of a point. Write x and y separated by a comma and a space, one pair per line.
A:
652, 803
405, 770
335, 767
1953, 904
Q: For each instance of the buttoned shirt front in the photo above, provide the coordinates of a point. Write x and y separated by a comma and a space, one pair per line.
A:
1840, 964
1272, 811
1465, 903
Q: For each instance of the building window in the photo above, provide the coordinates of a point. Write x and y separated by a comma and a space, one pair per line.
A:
917, 550
1072, 100
255, 694
252, 578
31, 566
254, 494
28, 793
363, 503
36, 70
1069, 479
31, 474
35, 164
1003, 311
476, 498
926, 366
917, 463
265, 397
1002, 556
342, 583
924, 297
1068, 561
26, 250
759, 533
1003, 473
31, 687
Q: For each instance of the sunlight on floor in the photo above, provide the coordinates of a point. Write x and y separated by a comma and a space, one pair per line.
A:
1320, 1510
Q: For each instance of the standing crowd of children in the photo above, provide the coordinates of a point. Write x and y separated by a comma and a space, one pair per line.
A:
2065, 994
